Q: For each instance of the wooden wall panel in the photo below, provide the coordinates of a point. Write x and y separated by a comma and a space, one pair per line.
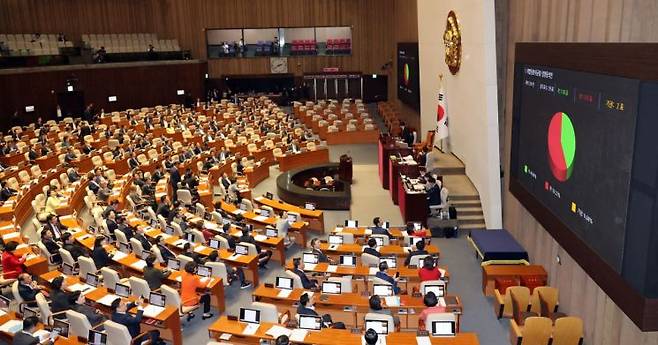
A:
134, 86
570, 21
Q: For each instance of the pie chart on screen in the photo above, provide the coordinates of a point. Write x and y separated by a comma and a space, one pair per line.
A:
561, 146
406, 74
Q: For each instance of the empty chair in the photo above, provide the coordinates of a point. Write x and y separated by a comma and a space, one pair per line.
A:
219, 271
198, 236
345, 283
184, 259
568, 331
173, 298
503, 303
417, 259
136, 246
118, 334
79, 325
87, 265
67, 258
200, 210
248, 206
384, 239
549, 294
139, 287
111, 278
369, 260
296, 280
184, 196
268, 312
537, 330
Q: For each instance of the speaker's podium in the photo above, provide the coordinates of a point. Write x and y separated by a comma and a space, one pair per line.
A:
388, 146
345, 168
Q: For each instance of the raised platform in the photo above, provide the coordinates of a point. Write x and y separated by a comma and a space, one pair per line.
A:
294, 193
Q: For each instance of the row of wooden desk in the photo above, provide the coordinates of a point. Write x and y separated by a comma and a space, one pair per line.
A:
291, 161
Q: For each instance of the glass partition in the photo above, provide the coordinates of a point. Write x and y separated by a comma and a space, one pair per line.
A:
255, 42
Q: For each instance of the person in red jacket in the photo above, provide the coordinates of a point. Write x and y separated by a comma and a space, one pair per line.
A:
12, 265
429, 271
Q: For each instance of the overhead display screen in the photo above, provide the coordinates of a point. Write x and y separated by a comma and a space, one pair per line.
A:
408, 75
574, 150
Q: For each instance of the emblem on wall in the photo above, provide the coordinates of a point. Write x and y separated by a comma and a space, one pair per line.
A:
452, 40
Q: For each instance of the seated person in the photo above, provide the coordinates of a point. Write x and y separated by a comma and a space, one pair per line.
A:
383, 266
139, 235
25, 336
12, 264
190, 253
372, 248
298, 269
375, 304
51, 245
120, 315
315, 249
28, 289
154, 276
72, 247
370, 337
233, 272
6, 192
429, 271
306, 305
411, 230
377, 228
189, 284
62, 300
164, 250
420, 250
430, 300
99, 254
264, 255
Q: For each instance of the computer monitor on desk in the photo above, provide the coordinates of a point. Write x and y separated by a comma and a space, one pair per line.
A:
331, 288
173, 264
349, 223
379, 326
241, 249
310, 322
310, 258
157, 299
391, 261
122, 290
347, 260
335, 239
437, 289
250, 315
443, 328
382, 290
284, 283
96, 338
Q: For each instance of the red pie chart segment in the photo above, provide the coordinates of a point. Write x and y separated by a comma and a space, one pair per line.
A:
561, 146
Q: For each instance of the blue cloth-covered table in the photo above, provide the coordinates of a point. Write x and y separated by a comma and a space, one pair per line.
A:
497, 247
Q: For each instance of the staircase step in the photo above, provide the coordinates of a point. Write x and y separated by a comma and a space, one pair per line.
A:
452, 171
469, 211
470, 219
465, 203
460, 197
472, 226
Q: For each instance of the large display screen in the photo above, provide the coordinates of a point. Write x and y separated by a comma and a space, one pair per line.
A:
574, 150
408, 75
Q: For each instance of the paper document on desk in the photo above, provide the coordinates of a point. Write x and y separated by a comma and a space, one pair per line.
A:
83, 288
234, 256
251, 329
260, 238
237, 211
139, 265
2, 312
298, 335
338, 229
284, 293
367, 232
31, 256
277, 331
152, 310
12, 326
260, 218
309, 267
423, 341
392, 301
211, 225
107, 299
10, 236
200, 248
118, 255
332, 268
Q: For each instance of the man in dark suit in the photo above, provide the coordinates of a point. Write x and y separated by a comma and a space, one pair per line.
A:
433, 192
139, 235
28, 289
406, 134
305, 304
53, 224
163, 208
73, 175
51, 245
298, 269
315, 247
72, 247
225, 180
154, 276
174, 176
377, 228
420, 250
157, 174
383, 266
125, 228
132, 322
113, 206
6, 192
164, 250
372, 248
61, 299
263, 255
25, 336
133, 162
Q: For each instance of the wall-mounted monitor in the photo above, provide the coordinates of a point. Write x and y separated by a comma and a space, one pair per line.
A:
29, 108
112, 98
409, 74
180, 92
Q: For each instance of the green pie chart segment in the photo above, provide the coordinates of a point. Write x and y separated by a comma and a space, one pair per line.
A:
561, 146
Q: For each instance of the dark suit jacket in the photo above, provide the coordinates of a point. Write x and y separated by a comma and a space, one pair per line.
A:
21, 338
378, 230
6, 193
27, 292
111, 225
62, 300
174, 176
250, 239
322, 257
372, 251
166, 252
130, 321
142, 239
154, 277
75, 250
411, 254
306, 283
100, 257
52, 246
384, 276
434, 196
302, 310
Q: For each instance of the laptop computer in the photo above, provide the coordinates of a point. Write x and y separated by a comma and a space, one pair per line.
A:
284, 283
443, 328
382, 290
96, 338
331, 288
379, 326
122, 290
249, 315
310, 322
347, 260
